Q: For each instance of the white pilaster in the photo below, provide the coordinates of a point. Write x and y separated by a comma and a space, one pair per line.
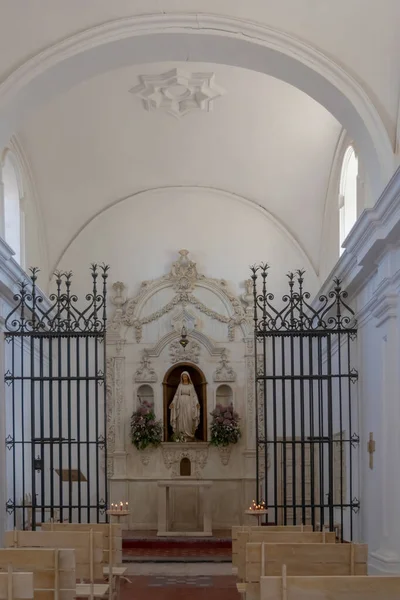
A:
2, 222
385, 310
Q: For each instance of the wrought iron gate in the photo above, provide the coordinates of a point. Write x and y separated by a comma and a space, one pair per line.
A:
306, 414
55, 403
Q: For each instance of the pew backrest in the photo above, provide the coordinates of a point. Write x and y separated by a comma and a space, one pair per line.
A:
53, 571
278, 537
115, 542
16, 586
88, 546
326, 588
305, 559
236, 529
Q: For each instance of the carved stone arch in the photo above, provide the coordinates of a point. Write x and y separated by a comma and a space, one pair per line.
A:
170, 383
183, 278
167, 339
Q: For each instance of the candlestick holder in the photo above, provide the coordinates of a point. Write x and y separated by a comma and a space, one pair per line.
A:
257, 513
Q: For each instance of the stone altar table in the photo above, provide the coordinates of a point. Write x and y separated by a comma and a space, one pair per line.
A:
163, 506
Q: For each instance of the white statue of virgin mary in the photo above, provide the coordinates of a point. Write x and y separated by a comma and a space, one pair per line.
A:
185, 409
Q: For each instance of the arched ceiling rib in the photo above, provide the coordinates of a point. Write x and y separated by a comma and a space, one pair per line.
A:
264, 140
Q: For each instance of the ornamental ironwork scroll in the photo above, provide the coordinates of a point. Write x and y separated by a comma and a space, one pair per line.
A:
305, 405
56, 409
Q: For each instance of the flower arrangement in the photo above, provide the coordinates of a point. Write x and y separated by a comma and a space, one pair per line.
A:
179, 437
145, 429
225, 428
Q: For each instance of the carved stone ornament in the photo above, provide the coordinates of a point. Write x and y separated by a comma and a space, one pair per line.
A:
177, 92
248, 299
145, 373
183, 278
179, 354
183, 318
224, 372
196, 452
145, 455
110, 415
225, 454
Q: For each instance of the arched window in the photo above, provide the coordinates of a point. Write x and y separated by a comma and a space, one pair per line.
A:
12, 207
348, 194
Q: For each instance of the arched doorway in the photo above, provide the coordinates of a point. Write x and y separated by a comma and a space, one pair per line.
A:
170, 383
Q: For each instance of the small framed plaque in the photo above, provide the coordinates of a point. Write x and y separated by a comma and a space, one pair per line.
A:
70, 475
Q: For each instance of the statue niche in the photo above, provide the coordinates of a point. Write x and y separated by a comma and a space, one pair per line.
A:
172, 380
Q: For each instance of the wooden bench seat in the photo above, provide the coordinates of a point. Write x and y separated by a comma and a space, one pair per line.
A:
88, 547
115, 543
326, 588
53, 570
236, 529
16, 586
272, 537
302, 559
112, 548
87, 590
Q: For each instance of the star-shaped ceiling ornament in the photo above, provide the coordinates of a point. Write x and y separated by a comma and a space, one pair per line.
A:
177, 92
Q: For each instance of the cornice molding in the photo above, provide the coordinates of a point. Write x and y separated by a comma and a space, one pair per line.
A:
373, 137
376, 230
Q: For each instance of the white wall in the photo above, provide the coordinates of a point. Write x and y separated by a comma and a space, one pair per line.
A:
140, 236
370, 267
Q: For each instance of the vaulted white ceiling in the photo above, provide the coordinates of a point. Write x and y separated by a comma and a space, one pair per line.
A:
361, 36
264, 140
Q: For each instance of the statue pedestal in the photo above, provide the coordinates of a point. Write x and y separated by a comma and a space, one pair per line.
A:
164, 509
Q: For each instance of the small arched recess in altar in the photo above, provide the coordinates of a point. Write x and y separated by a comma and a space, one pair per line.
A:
224, 395
145, 393
170, 384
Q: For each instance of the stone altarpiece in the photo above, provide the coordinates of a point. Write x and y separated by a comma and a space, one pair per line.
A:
142, 347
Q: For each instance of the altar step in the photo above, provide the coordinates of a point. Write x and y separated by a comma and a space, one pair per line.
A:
142, 549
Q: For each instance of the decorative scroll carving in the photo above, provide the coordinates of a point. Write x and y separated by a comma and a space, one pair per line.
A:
248, 298
173, 453
110, 415
250, 390
183, 277
183, 318
178, 354
224, 372
225, 454
145, 373
119, 400
145, 455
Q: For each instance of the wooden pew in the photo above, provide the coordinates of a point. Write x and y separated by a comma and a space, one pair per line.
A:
326, 588
302, 559
115, 543
16, 586
236, 529
112, 548
53, 570
278, 537
88, 547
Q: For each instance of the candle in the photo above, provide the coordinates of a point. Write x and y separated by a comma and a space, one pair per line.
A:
126, 506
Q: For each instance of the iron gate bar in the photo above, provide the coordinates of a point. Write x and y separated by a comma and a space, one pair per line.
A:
307, 374
47, 388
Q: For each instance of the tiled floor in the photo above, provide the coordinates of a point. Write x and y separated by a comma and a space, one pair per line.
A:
181, 578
